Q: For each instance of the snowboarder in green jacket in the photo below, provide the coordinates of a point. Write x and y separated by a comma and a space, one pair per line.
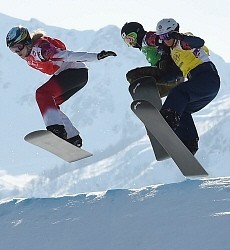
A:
163, 68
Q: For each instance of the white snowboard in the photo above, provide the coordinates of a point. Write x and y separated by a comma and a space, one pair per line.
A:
52, 143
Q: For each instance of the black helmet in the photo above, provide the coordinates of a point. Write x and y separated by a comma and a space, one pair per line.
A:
136, 28
18, 35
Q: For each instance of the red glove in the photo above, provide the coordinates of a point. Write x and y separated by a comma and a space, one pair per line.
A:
151, 38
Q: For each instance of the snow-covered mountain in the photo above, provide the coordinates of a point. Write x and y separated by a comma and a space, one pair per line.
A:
122, 153
191, 215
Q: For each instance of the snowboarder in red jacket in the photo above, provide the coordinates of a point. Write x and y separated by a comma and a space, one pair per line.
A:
68, 70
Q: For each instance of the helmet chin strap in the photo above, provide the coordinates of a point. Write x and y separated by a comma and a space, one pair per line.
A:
174, 43
139, 40
29, 48
138, 46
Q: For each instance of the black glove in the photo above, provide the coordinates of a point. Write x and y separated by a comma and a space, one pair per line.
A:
103, 54
176, 35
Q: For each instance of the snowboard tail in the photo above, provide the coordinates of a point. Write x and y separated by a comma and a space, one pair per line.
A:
159, 128
57, 146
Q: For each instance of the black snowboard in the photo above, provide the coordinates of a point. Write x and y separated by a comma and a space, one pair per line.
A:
145, 89
159, 128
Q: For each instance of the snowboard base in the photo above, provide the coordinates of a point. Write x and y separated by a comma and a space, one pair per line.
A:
159, 128
57, 146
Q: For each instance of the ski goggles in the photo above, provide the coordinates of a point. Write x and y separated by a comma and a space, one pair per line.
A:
165, 36
130, 39
17, 48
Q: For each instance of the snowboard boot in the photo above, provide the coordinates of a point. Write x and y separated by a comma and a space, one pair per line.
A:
192, 145
58, 130
171, 117
137, 73
76, 141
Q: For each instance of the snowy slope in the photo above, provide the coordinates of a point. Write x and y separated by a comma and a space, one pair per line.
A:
190, 215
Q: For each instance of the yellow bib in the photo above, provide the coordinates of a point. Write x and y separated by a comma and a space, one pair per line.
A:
187, 60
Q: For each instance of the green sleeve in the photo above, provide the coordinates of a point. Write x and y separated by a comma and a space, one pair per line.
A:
151, 54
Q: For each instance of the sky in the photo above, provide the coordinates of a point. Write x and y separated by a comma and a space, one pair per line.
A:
207, 19
191, 215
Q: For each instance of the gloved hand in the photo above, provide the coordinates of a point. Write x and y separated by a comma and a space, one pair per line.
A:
103, 54
151, 38
176, 35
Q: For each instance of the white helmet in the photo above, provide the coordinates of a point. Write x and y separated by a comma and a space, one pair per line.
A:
166, 25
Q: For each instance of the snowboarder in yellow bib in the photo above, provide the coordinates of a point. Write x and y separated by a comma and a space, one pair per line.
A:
202, 85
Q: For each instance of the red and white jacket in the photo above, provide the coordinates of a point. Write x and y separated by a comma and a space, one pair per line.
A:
50, 56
